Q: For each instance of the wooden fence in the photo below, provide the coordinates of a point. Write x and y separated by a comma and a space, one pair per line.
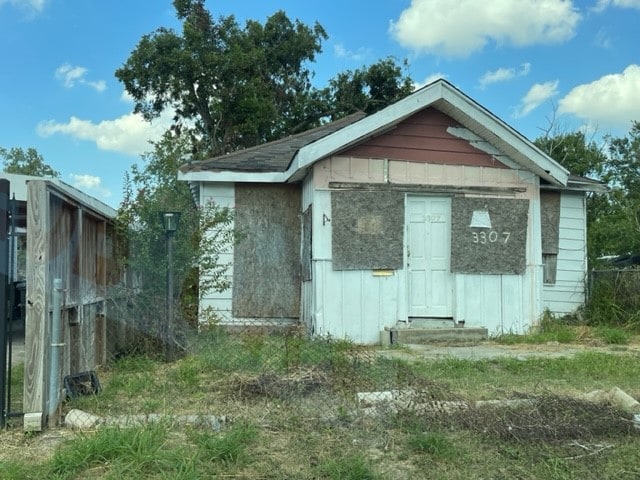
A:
70, 236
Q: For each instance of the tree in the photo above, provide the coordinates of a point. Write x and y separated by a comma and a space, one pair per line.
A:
613, 218
26, 162
234, 87
368, 89
574, 152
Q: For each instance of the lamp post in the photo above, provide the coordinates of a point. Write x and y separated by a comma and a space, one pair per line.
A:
170, 223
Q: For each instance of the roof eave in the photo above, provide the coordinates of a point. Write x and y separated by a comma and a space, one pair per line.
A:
231, 176
521, 149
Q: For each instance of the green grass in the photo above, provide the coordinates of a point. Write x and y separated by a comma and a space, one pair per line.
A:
293, 414
612, 335
550, 329
349, 467
435, 444
151, 451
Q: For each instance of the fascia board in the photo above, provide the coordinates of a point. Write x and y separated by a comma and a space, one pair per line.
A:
232, 176
542, 164
78, 196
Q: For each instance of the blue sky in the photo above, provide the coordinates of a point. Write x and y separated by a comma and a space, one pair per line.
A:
527, 61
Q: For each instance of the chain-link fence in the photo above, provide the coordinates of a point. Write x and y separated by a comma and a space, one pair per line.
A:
234, 371
281, 379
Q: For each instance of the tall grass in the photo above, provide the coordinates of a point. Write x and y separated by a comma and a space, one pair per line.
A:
614, 299
551, 328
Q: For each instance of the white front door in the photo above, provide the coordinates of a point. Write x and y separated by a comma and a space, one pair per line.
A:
430, 286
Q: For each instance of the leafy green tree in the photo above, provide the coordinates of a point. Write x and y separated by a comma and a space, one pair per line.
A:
613, 218
234, 87
26, 162
616, 222
368, 89
197, 269
575, 152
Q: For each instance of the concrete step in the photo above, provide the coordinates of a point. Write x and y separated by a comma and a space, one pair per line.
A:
416, 322
430, 335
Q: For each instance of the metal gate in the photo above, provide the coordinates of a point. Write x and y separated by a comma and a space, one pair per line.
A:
12, 296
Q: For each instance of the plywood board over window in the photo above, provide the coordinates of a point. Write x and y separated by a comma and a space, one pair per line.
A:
367, 230
550, 230
306, 254
266, 270
489, 235
550, 221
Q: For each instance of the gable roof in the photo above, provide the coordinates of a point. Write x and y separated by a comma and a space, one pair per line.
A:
299, 152
274, 156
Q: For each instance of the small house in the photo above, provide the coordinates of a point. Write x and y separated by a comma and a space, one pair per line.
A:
432, 209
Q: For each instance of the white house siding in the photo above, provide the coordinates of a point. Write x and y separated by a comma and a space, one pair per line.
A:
567, 294
223, 195
359, 304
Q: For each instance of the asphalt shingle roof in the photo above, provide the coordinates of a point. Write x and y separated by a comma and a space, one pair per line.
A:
270, 157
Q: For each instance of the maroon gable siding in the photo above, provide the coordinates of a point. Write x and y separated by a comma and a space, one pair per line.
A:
423, 137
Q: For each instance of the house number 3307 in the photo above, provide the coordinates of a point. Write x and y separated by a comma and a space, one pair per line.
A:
490, 237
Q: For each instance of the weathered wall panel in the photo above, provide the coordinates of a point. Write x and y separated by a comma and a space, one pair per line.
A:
368, 230
37, 310
352, 304
489, 235
306, 251
550, 221
423, 137
66, 239
266, 275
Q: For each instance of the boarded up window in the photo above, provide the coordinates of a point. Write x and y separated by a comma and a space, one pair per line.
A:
489, 235
550, 218
367, 230
266, 269
306, 254
549, 267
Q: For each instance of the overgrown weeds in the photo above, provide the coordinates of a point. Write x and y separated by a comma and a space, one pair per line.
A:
293, 412
614, 299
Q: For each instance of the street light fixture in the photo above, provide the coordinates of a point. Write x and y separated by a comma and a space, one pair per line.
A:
170, 222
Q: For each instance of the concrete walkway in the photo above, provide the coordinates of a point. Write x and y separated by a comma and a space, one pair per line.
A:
489, 350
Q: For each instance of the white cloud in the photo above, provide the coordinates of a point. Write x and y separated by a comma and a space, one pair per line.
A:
129, 134
99, 86
457, 29
33, 6
430, 79
603, 4
89, 183
126, 97
340, 51
537, 94
70, 75
602, 39
611, 100
504, 74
